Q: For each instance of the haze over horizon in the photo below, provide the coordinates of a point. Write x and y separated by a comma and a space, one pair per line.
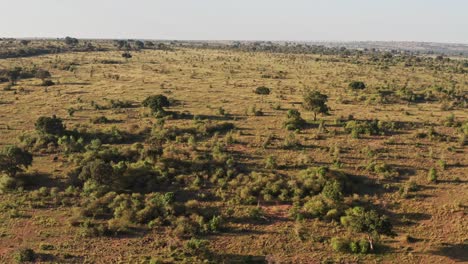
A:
295, 20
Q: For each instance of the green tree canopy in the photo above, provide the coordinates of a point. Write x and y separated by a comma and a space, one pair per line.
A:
50, 125
357, 219
316, 102
156, 102
14, 159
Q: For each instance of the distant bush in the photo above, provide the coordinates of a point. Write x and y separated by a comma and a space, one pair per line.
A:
432, 175
294, 120
25, 255
14, 159
357, 85
120, 104
71, 41
262, 90
127, 55
156, 103
47, 83
50, 125
373, 127
340, 244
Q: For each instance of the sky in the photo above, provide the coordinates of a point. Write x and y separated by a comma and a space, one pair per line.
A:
295, 20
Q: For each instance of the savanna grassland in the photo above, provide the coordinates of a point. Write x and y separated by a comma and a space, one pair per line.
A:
211, 168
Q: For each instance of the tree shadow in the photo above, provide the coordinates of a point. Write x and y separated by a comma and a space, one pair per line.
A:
241, 259
410, 218
456, 252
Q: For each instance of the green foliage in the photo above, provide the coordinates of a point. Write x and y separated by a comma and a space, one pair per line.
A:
294, 120
14, 159
316, 207
156, 103
345, 245
69, 144
196, 247
98, 171
358, 219
270, 163
340, 244
50, 125
262, 90
432, 175
25, 255
374, 127
333, 191
383, 169
316, 102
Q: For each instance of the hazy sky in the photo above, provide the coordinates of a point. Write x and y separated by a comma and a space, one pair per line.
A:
406, 20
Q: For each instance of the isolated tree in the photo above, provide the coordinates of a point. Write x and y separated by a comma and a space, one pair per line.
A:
71, 41
14, 74
357, 219
14, 159
43, 75
156, 103
50, 125
316, 102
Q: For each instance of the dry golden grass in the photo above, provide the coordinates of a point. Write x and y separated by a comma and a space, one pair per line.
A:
205, 80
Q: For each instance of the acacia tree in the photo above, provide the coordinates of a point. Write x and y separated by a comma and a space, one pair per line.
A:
14, 159
357, 219
316, 102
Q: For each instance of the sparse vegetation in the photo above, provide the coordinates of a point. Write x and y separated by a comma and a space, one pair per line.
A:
184, 152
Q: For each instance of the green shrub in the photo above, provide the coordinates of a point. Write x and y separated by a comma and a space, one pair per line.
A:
50, 125
333, 191
432, 175
354, 247
357, 85
14, 159
256, 213
25, 255
364, 246
262, 90
46, 247
156, 103
270, 163
7, 183
340, 244
316, 207
196, 247
294, 120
